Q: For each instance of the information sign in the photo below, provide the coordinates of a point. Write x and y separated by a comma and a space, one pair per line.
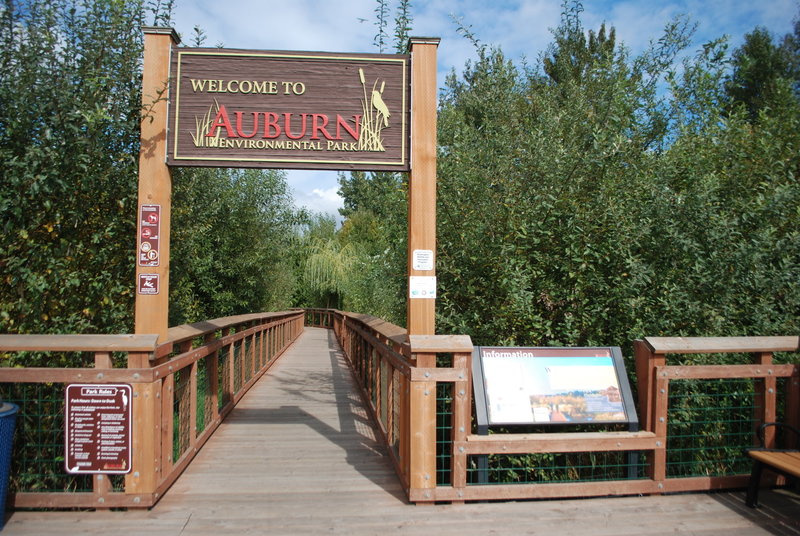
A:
149, 235
553, 386
422, 260
422, 286
98, 428
148, 283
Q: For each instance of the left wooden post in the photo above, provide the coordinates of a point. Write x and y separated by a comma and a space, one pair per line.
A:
155, 187
152, 260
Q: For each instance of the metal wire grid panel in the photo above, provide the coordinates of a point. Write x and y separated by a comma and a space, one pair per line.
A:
556, 468
204, 399
181, 411
223, 374
444, 425
237, 366
37, 464
709, 424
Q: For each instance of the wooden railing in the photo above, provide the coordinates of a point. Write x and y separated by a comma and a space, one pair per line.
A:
656, 376
399, 378
418, 389
182, 390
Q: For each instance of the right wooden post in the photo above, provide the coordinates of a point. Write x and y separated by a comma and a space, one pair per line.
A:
422, 185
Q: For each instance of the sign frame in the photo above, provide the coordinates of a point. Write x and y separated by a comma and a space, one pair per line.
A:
289, 110
481, 390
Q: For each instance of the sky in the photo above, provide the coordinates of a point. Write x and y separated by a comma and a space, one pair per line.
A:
521, 28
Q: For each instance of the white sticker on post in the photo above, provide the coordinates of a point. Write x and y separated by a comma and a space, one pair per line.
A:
422, 286
422, 259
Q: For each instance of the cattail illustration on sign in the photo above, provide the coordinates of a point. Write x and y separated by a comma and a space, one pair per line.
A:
202, 126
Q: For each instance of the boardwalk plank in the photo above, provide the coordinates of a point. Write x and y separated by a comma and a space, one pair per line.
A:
299, 455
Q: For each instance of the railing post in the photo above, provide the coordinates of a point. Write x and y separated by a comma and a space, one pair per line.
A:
146, 434
765, 398
657, 468
793, 404
422, 414
462, 417
646, 363
101, 485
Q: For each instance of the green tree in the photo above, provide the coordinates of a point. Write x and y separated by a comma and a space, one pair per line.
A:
70, 88
762, 72
581, 203
538, 175
375, 223
232, 235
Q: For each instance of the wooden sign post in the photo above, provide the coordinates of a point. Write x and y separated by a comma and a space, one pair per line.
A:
265, 109
421, 300
155, 188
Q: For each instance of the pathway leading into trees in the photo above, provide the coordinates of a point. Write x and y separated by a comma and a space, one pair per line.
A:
299, 455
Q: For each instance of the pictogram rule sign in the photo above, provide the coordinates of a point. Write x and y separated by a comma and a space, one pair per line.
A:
149, 234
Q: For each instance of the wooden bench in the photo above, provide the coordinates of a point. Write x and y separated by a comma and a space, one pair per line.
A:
783, 461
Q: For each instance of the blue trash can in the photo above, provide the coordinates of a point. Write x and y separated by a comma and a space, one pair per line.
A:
8, 420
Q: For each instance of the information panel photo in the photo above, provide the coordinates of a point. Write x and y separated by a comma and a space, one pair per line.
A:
553, 385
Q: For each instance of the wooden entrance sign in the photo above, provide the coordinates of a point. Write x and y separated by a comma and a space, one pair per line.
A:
300, 110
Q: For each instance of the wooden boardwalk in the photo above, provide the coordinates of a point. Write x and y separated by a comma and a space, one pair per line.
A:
299, 456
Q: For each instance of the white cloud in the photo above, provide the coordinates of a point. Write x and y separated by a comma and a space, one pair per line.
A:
316, 191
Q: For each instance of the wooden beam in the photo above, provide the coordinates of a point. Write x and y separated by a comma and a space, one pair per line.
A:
714, 372
440, 343
712, 345
506, 492
75, 375
77, 343
422, 179
79, 500
422, 436
559, 442
155, 182
146, 465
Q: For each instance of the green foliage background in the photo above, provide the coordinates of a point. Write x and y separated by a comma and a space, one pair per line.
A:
594, 197
590, 197
70, 84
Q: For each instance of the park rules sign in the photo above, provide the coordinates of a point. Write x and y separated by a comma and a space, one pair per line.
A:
301, 110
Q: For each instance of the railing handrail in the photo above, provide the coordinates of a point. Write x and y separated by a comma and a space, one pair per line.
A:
393, 332
184, 332
399, 377
78, 343
713, 345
